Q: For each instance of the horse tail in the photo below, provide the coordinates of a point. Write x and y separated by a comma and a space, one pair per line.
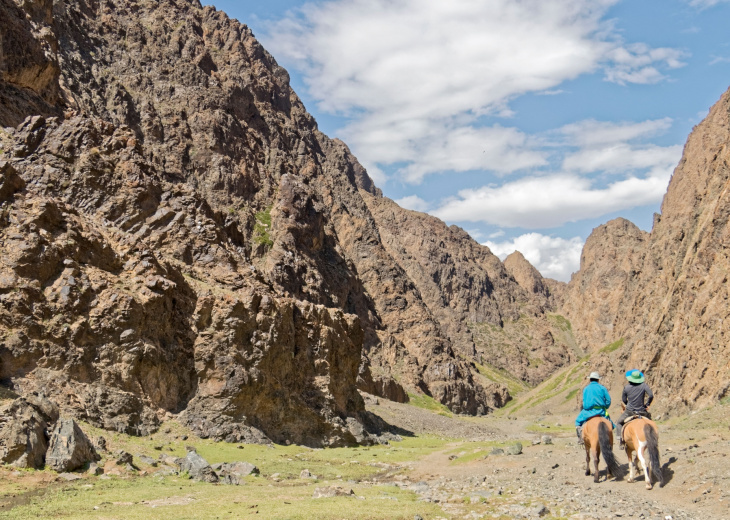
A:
604, 441
652, 446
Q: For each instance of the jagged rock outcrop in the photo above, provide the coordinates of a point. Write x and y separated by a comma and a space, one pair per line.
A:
666, 293
24, 425
600, 292
528, 277
177, 237
69, 448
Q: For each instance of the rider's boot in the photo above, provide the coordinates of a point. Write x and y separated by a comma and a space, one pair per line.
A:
619, 434
579, 433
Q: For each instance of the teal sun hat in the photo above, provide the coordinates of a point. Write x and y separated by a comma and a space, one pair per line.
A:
635, 376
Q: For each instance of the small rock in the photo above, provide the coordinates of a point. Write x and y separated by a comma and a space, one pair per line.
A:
514, 449
540, 511
497, 451
123, 458
306, 474
547, 439
100, 443
69, 476
147, 460
95, 469
332, 491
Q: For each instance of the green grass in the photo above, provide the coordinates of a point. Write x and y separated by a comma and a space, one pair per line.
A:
611, 347
287, 497
470, 451
262, 228
428, 403
130, 499
572, 394
560, 321
514, 385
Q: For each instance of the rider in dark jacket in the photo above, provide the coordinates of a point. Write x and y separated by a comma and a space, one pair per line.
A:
637, 396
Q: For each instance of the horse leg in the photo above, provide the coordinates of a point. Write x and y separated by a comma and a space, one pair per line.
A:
644, 464
630, 454
588, 460
596, 453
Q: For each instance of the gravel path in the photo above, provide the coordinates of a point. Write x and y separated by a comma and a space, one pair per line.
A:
548, 481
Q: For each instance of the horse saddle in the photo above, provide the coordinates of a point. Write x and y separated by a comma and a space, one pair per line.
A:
632, 417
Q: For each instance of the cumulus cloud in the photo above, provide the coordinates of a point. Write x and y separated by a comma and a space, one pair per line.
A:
554, 257
553, 200
415, 76
413, 202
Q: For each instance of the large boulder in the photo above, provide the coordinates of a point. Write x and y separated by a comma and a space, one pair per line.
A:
23, 431
198, 468
69, 448
234, 472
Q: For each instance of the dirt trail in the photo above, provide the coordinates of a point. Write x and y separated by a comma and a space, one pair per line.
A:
547, 480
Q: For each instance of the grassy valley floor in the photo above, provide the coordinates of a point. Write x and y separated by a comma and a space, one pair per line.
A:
448, 467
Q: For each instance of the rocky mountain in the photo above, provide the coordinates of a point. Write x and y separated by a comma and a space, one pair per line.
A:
659, 301
177, 237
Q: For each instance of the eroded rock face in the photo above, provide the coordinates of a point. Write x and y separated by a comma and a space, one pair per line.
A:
666, 293
600, 292
177, 237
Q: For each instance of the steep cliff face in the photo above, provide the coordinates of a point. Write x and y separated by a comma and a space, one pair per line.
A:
667, 291
601, 292
177, 237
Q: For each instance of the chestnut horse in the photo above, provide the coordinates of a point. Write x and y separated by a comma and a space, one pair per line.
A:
642, 440
598, 439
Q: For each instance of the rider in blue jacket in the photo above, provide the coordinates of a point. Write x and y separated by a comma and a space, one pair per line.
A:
595, 403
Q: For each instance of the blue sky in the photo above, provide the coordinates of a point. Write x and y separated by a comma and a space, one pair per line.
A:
528, 123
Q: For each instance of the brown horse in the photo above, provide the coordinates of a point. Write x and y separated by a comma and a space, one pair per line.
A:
642, 440
598, 439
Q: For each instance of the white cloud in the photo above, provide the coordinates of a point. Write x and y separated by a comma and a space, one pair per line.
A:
551, 201
706, 3
413, 202
719, 59
503, 150
414, 76
554, 257
615, 147
622, 158
637, 63
590, 132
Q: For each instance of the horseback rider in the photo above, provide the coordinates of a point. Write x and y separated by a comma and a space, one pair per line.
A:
637, 396
596, 401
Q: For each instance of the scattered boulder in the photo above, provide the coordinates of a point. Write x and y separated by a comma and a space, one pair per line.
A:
232, 473
198, 468
95, 469
123, 458
514, 449
69, 477
332, 491
306, 474
100, 443
69, 448
23, 431
547, 439
497, 451
147, 460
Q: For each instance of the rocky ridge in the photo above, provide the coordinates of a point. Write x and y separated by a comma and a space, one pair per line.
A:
177, 237
664, 294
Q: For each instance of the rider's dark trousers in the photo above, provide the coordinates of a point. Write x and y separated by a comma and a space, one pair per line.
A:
624, 416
